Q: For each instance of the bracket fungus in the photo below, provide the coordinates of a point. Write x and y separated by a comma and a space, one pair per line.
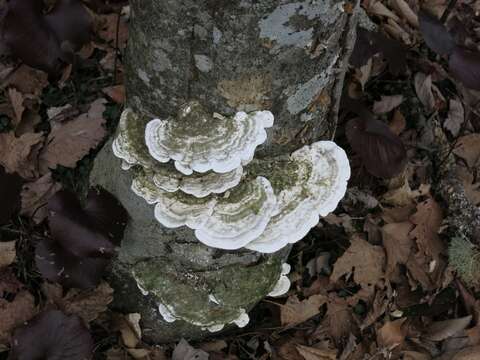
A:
283, 284
317, 180
216, 188
198, 141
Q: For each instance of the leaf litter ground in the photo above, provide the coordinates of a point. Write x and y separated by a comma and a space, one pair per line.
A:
371, 281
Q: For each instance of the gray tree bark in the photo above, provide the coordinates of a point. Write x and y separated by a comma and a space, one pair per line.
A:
285, 56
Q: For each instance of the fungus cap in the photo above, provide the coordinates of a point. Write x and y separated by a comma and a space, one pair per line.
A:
228, 221
283, 284
320, 182
199, 141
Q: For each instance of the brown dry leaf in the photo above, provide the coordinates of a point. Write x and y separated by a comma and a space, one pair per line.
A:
366, 261
472, 189
397, 123
311, 353
428, 219
106, 26
398, 244
455, 118
16, 99
441, 330
376, 7
387, 104
28, 80
88, 304
468, 148
20, 154
183, 351
402, 8
295, 311
403, 195
363, 73
139, 353
214, 346
340, 320
70, 141
116, 93
7, 253
15, 313
423, 88
30, 120
378, 308
35, 196
470, 353
129, 336
391, 334
398, 214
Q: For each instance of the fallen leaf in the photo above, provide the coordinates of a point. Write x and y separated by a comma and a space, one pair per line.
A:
35, 196
472, 188
366, 261
16, 99
311, 353
391, 334
16, 312
402, 7
106, 28
87, 304
7, 253
387, 104
423, 88
469, 353
468, 148
397, 123
70, 141
28, 80
340, 320
455, 118
52, 335
130, 337
295, 311
116, 93
464, 64
441, 330
183, 351
427, 221
398, 244
435, 34
20, 154
383, 153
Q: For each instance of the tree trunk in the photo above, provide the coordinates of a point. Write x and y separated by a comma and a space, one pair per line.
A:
286, 56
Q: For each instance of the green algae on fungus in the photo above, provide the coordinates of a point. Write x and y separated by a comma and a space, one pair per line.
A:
320, 183
199, 141
129, 144
220, 297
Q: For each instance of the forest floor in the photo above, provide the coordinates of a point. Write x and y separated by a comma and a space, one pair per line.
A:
372, 280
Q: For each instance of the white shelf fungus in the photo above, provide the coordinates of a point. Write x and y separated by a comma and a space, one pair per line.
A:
283, 284
198, 141
319, 183
228, 221
264, 207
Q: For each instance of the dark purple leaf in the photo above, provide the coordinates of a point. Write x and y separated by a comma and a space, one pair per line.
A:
435, 34
73, 228
58, 265
464, 64
382, 152
29, 37
370, 43
107, 212
10, 189
71, 22
52, 335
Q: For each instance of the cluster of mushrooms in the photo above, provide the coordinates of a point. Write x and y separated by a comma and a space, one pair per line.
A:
199, 171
